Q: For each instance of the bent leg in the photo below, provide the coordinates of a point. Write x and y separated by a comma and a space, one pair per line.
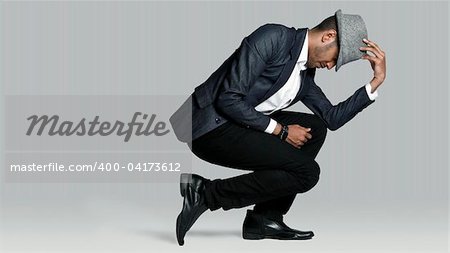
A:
281, 206
278, 168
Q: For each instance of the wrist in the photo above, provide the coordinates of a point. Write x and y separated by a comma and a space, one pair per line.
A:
375, 83
283, 133
277, 129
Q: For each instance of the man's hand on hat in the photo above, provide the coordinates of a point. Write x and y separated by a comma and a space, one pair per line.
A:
377, 61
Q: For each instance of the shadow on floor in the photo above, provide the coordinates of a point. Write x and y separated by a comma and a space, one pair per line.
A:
170, 237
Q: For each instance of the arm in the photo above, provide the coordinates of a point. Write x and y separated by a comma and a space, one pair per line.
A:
254, 54
336, 116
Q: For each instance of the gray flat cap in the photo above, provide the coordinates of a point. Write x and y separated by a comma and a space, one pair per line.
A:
351, 31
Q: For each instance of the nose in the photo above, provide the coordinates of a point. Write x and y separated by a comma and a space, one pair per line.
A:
330, 65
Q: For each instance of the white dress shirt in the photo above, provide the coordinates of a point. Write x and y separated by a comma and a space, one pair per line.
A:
286, 94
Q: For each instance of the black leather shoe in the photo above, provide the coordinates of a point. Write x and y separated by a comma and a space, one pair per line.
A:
257, 226
192, 189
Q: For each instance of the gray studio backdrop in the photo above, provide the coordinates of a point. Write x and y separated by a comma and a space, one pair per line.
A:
384, 179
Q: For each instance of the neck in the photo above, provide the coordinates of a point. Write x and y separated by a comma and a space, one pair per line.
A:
312, 38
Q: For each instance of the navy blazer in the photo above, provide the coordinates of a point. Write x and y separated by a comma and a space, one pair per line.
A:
257, 69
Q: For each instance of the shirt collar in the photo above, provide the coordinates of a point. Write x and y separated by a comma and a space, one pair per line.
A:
303, 58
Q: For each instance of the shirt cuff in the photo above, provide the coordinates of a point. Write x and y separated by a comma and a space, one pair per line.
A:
271, 127
373, 95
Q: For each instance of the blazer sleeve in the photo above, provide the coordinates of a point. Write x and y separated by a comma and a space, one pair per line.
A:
335, 116
253, 56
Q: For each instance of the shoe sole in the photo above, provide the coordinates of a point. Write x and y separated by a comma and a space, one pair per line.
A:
180, 238
250, 236
184, 178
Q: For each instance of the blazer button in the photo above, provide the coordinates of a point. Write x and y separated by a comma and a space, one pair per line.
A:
217, 120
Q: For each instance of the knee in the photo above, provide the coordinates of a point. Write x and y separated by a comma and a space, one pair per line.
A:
312, 177
308, 177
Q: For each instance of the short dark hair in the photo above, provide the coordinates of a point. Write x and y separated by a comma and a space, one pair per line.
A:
326, 24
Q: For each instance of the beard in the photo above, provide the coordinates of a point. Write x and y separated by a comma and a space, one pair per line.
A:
317, 53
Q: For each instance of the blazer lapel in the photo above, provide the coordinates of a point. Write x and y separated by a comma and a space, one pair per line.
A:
289, 66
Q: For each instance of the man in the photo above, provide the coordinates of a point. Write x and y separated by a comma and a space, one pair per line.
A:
238, 121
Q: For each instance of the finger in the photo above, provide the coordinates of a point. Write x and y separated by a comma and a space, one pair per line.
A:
378, 50
370, 43
373, 44
371, 49
302, 139
292, 143
308, 135
370, 58
305, 128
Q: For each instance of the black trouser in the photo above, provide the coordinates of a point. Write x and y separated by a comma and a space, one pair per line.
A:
280, 170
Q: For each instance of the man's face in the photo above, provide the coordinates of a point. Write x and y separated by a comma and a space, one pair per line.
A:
323, 55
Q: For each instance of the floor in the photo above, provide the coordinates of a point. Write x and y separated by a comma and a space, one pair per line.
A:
145, 222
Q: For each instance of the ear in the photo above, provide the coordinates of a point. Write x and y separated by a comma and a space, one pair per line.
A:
329, 35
